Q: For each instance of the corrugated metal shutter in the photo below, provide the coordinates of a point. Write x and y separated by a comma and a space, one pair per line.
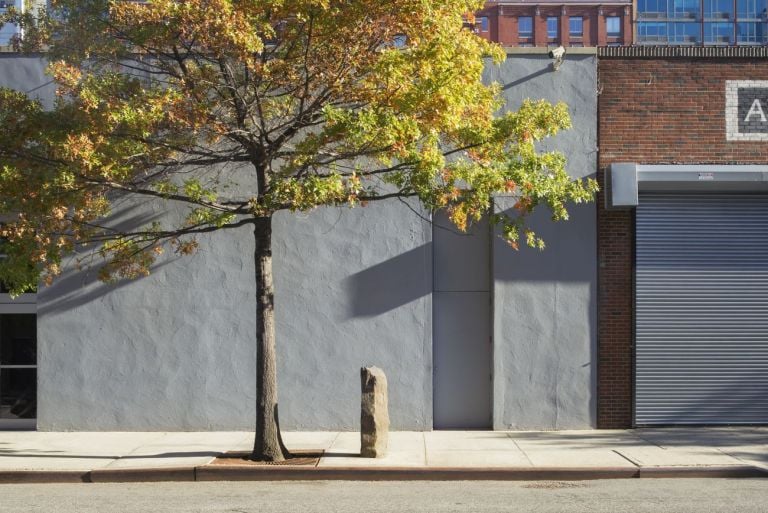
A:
702, 309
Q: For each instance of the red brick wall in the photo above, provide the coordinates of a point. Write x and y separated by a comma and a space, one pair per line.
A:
652, 111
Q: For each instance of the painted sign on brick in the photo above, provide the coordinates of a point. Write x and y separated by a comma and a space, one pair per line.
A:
746, 110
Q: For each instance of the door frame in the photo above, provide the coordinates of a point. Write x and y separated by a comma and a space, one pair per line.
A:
23, 304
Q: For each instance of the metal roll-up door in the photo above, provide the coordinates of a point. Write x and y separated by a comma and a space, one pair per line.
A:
701, 309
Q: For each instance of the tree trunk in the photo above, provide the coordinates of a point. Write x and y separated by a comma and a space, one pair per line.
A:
268, 445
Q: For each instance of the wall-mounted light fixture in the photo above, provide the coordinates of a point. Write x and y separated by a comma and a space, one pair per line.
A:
558, 56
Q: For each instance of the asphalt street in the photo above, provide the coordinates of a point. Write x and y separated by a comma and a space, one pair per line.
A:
627, 495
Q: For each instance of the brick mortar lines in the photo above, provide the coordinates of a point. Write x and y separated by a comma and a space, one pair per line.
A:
652, 111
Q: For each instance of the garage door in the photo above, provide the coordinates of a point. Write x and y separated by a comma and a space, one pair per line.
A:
701, 309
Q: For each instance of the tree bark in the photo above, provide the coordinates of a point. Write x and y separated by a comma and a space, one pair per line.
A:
268, 445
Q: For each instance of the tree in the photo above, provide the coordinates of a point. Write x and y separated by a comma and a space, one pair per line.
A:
318, 102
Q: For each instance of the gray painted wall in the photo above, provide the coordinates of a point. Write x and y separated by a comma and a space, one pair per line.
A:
356, 290
175, 351
27, 74
545, 319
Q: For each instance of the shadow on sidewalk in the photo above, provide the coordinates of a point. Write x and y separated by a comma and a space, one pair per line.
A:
59, 454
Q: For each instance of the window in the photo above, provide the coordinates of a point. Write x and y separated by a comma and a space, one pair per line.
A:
576, 26
685, 9
552, 23
18, 357
5, 4
652, 32
718, 33
8, 31
685, 33
483, 23
718, 9
525, 26
613, 26
751, 33
18, 369
752, 9
652, 8
399, 41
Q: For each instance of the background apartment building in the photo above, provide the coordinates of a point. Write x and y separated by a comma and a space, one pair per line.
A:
625, 23
553, 23
697, 22
9, 31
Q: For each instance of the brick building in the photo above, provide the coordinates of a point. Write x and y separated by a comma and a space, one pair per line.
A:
682, 231
549, 23
625, 23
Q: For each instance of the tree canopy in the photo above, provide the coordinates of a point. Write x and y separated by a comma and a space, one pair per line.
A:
321, 102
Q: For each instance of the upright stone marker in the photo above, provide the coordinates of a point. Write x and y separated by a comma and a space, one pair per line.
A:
374, 417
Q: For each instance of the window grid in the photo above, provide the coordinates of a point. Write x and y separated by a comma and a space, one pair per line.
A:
707, 22
576, 26
552, 27
525, 26
613, 26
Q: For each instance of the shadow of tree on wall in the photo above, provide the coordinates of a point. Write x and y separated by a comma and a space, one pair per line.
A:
78, 286
390, 284
571, 247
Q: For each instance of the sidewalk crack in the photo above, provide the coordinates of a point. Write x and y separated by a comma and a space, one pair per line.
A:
133, 451
330, 446
520, 449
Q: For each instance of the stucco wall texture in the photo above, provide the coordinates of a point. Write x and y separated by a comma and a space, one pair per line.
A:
544, 303
175, 351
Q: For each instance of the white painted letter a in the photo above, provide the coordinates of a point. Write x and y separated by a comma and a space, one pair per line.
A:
755, 109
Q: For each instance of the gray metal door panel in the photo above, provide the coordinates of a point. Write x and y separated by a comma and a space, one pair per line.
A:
701, 309
462, 261
462, 367
461, 327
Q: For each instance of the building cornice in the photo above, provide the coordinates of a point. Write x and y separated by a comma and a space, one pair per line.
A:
682, 52
524, 3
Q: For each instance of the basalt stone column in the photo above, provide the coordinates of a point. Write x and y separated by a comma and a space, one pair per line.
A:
374, 418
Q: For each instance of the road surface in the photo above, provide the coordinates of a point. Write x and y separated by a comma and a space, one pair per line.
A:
627, 495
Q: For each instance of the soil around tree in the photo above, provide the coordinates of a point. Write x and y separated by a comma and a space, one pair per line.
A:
307, 458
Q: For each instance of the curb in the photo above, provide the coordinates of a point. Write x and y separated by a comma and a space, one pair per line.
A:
43, 476
251, 473
276, 473
733, 471
142, 475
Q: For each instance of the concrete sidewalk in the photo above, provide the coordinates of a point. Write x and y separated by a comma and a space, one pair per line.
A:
40, 456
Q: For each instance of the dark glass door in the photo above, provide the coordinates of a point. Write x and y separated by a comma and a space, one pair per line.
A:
18, 370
